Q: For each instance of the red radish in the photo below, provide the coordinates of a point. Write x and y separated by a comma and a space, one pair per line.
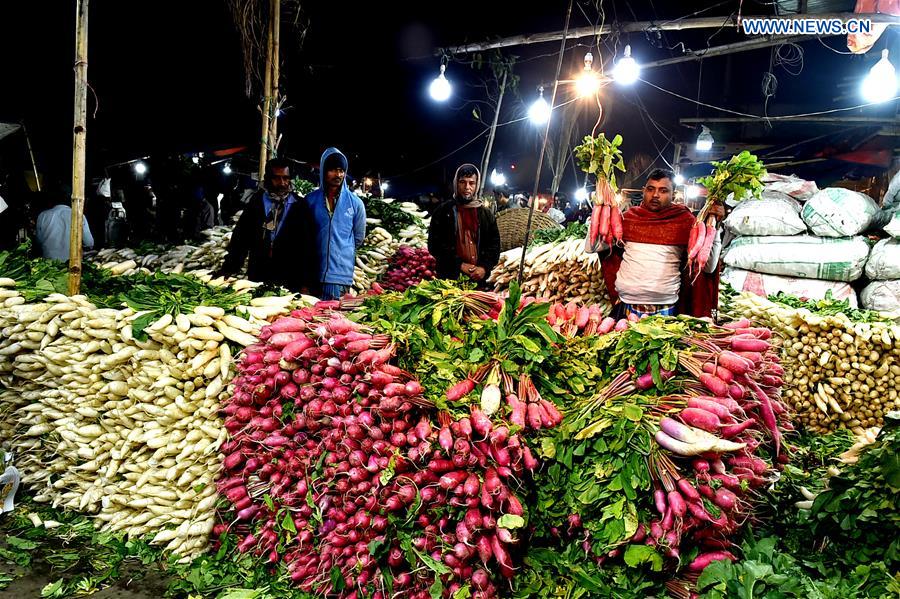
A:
705, 559
699, 239
688, 490
720, 371
714, 384
749, 345
616, 224
743, 323
734, 362
606, 325
710, 406
701, 419
732, 430
676, 502
725, 499
460, 389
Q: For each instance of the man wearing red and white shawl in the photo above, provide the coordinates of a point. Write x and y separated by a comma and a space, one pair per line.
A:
649, 275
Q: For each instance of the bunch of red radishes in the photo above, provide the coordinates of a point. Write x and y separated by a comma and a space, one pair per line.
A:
717, 449
409, 266
339, 467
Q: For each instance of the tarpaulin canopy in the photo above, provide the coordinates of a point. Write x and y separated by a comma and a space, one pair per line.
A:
8, 129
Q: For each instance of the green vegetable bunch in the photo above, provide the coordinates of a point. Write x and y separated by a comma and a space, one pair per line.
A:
601, 157
740, 175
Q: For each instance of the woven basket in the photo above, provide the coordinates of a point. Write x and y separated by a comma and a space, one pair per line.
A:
512, 225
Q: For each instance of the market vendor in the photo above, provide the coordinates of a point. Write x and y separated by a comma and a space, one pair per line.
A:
463, 236
648, 276
276, 231
340, 219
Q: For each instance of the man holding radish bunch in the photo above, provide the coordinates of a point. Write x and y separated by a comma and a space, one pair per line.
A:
340, 222
463, 235
648, 275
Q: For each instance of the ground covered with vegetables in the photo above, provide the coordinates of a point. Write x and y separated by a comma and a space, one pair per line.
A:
440, 442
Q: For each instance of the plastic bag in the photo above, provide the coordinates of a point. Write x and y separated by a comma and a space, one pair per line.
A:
802, 256
838, 212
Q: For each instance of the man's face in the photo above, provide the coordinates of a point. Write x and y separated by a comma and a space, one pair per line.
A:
278, 180
334, 177
657, 194
465, 187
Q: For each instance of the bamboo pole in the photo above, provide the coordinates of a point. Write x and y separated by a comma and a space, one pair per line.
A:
79, 134
649, 26
490, 144
540, 164
267, 102
276, 74
37, 178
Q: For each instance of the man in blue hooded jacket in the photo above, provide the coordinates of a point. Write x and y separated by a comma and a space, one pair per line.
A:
340, 222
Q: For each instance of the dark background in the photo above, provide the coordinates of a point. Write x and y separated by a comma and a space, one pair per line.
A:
167, 77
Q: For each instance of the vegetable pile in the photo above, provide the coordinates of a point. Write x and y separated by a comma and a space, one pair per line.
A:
209, 256
396, 224
557, 271
339, 465
842, 366
409, 266
114, 412
663, 466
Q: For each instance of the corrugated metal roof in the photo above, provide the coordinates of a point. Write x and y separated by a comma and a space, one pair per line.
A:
792, 7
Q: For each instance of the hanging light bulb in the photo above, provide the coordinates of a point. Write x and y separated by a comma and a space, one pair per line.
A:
692, 192
704, 140
140, 168
384, 186
440, 88
227, 168
627, 69
539, 112
581, 194
195, 159
497, 179
880, 85
679, 179
587, 83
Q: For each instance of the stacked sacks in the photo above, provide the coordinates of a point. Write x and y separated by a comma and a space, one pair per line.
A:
883, 268
777, 254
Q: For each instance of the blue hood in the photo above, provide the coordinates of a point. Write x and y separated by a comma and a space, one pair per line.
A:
325, 155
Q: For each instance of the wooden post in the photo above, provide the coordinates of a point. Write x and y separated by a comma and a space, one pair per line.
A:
490, 144
267, 102
78, 144
275, 103
37, 178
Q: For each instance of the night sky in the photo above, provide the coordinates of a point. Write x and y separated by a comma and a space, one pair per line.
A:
168, 77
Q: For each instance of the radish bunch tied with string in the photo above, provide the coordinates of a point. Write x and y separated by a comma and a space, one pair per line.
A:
601, 157
741, 176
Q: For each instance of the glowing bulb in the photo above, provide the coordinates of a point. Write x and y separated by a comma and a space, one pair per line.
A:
880, 85
581, 194
587, 83
384, 186
704, 140
195, 159
497, 179
440, 88
140, 168
627, 69
679, 179
692, 192
226, 169
539, 112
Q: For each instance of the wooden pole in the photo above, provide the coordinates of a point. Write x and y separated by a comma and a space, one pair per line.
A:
825, 120
490, 143
37, 178
79, 131
267, 101
649, 26
276, 74
540, 164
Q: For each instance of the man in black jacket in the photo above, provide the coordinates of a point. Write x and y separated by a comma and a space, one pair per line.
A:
276, 231
463, 236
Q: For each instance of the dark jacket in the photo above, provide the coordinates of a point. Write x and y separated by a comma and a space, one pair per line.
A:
442, 240
293, 259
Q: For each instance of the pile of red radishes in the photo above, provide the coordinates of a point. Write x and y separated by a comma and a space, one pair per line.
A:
409, 266
339, 467
722, 442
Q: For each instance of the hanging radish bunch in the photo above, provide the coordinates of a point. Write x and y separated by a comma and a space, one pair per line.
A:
739, 176
601, 157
